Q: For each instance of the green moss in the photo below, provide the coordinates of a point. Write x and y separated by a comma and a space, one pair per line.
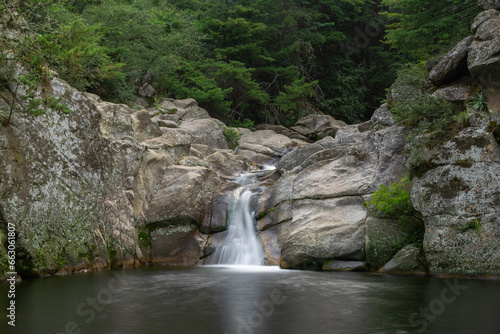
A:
263, 214
474, 225
464, 163
143, 236
232, 135
418, 169
465, 145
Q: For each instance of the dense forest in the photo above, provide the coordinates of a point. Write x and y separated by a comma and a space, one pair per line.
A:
245, 61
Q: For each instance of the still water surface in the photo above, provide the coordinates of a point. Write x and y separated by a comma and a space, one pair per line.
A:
252, 300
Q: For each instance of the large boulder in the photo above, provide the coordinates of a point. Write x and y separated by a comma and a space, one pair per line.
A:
488, 4
316, 208
296, 157
58, 174
382, 116
216, 217
337, 265
453, 65
458, 196
176, 245
483, 17
175, 194
116, 122
206, 131
174, 143
323, 230
457, 93
178, 110
483, 59
143, 128
317, 126
264, 146
382, 237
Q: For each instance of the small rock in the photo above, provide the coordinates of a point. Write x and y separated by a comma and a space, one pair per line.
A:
337, 265
488, 4
407, 260
382, 116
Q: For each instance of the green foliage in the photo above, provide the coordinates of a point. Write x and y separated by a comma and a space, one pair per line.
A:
478, 102
421, 29
232, 135
266, 61
247, 123
50, 246
474, 225
143, 236
394, 202
293, 100
461, 119
427, 117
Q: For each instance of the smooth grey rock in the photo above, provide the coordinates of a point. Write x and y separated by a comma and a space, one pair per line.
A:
216, 219
296, 157
174, 143
167, 124
279, 129
227, 164
206, 132
264, 145
143, 128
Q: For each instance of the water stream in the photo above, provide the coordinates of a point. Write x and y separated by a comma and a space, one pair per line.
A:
241, 246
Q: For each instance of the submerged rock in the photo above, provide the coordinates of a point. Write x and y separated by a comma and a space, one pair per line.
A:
409, 260
337, 265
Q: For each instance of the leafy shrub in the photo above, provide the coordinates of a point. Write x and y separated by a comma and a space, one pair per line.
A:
394, 202
232, 135
478, 102
427, 117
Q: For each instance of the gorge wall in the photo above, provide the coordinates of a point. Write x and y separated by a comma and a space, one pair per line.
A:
109, 185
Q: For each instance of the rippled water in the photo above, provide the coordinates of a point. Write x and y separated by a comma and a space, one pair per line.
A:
218, 299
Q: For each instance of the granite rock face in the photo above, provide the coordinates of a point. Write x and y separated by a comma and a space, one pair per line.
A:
315, 210
452, 65
458, 197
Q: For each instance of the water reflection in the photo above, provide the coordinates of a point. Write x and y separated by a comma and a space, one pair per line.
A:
244, 300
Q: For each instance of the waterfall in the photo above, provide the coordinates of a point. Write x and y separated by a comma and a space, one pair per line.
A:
241, 246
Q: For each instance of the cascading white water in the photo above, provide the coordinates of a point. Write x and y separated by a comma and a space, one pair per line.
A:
241, 246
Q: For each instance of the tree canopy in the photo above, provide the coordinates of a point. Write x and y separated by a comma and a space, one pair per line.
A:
243, 60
